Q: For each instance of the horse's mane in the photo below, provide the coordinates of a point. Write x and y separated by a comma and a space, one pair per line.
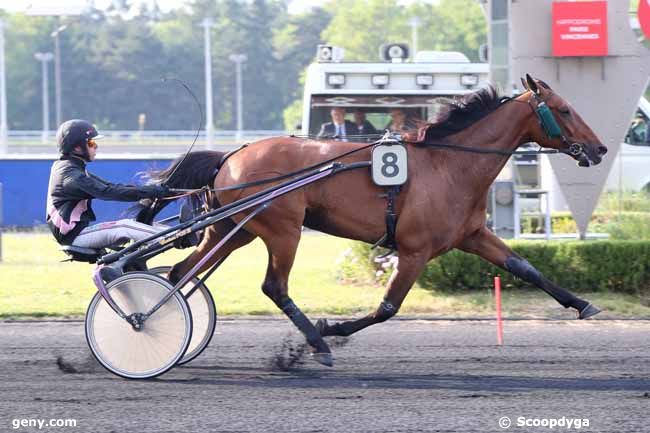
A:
459, 113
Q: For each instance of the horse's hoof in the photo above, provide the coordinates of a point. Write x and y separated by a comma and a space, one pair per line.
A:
321, 325
588, 312
323, 358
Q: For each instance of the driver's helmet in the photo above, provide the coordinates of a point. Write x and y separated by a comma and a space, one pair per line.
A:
73, 133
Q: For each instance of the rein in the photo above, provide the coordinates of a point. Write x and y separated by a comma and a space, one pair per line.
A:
459, 148
271, 179
440, 145
294, 173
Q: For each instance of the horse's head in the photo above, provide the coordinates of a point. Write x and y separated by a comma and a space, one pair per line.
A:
560, 126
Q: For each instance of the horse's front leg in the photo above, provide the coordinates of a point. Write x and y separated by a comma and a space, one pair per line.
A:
407, 271
487, 245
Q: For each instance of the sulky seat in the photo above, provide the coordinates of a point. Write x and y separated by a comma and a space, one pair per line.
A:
87, 255
80, 254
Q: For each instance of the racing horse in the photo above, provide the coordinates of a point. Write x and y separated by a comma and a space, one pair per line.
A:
441, 207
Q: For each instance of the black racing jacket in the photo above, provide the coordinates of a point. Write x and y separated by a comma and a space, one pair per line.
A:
70, 194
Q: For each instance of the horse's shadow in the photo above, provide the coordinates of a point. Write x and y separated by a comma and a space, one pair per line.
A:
289, 368
320, 378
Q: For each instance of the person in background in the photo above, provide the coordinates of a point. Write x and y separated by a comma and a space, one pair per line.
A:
338, 128
399, 122
639, 128
363, 126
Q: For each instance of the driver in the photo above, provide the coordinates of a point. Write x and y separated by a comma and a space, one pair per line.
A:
72, 188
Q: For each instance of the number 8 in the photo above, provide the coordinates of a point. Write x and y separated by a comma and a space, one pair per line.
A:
389, 168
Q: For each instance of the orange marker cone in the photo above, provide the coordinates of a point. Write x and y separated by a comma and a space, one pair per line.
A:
497, 301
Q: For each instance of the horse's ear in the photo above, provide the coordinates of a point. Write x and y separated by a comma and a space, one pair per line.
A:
523, 83
532, 85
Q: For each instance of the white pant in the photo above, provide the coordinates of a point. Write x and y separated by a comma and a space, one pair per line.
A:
114, 232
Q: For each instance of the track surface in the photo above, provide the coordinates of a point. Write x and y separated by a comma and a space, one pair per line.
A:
403, 376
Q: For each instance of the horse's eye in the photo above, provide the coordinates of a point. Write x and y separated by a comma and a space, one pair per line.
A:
564, 110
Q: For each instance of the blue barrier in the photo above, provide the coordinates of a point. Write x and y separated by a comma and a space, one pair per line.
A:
25, 183
1, 223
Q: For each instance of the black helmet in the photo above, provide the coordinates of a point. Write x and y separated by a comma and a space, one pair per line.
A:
73, 133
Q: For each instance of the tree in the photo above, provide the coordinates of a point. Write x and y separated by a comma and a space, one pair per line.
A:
261, 80
113, 60
118, 68
24, 37
361, 26
462, 27
295, 46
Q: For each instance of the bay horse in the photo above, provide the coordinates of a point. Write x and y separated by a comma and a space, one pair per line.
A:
441, 207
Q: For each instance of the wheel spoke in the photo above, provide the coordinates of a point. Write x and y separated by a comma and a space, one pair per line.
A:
144, 353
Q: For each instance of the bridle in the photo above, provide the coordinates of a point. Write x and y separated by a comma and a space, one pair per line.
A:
553, 130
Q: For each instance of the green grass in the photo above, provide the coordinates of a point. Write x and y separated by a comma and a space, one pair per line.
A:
624, 202
33, 283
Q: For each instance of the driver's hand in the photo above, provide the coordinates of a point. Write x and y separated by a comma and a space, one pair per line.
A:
158, 191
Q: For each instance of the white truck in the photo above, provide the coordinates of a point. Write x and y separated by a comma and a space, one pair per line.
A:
631, 169
376, 88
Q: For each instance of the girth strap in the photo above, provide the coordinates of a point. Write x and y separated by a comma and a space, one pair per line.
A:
388, 240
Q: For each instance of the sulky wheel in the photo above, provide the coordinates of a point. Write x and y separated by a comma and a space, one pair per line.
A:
204, 315
162, 339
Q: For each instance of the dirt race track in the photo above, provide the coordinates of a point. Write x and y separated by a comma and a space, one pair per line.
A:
401, 376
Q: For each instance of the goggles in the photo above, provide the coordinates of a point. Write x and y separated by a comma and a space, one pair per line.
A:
92, 143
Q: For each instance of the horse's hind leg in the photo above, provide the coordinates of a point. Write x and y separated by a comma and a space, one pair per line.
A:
282, 251
213, 235
409, 267
488, 246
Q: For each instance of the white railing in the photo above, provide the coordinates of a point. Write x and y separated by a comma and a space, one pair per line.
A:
139, 141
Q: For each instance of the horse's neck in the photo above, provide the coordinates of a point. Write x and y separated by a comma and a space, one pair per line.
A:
503, 130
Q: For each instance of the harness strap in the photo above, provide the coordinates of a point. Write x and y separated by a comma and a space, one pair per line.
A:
225, 157
284, 176
388, 239
391, 218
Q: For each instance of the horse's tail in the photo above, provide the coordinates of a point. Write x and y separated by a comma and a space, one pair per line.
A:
193, 171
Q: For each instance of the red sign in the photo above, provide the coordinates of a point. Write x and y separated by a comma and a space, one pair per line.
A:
644, 17
580, 28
